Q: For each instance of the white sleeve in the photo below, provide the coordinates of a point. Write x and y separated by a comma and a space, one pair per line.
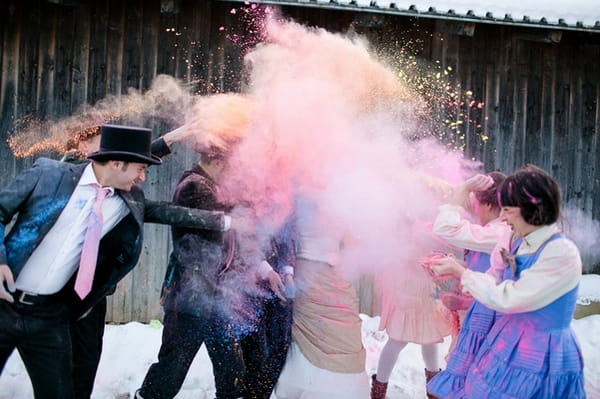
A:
556, 272
458, 231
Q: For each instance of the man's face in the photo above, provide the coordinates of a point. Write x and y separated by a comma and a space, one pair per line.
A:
125, 174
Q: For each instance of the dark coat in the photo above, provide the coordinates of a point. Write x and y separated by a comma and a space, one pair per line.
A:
200, 258
37, 197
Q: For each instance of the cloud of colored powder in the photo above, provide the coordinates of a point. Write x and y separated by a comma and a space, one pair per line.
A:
165, 101
335, 125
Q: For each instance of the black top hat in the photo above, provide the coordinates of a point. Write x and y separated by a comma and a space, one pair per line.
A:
125, 143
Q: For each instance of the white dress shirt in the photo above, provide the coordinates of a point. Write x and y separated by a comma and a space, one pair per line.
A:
556, 272
57, 256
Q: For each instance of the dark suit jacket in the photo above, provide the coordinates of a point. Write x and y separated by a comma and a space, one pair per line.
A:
193, 279
38, 195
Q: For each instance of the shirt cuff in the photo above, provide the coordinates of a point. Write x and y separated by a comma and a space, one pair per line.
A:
287, 269
226, 222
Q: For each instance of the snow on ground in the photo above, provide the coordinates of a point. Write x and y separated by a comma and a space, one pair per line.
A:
129, 349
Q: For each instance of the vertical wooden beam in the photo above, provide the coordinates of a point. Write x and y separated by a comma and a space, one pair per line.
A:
533, 52
522, 74
9, 84
149, 43
562, 117
132, 46
115, 47
97, 67
46, 61
80, 55
65, 38
548, 105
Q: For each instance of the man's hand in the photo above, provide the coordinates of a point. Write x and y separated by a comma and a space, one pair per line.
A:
6, 281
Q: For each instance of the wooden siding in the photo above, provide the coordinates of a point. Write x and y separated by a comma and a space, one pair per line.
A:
541, 97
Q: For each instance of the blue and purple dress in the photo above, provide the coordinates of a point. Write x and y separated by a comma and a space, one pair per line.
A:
478, 321
530, 355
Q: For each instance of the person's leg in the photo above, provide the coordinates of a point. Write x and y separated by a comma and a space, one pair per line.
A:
45, 349
9, 332
225, 353
181, 340
431, 357
86, 337
387, 359
430, 354
278, 331
254, 355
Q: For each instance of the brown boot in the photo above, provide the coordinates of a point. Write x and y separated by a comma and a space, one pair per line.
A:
378, 389
428, 376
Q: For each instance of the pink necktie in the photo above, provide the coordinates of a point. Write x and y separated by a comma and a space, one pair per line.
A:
89, 251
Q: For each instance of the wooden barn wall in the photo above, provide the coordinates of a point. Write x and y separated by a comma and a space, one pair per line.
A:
541, 98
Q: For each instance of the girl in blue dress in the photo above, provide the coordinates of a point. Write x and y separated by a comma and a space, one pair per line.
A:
478, 240
531, 351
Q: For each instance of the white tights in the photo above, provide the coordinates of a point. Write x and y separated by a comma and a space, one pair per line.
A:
391, 351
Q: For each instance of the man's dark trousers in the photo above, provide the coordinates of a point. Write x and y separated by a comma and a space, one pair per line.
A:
86, 337
40, 332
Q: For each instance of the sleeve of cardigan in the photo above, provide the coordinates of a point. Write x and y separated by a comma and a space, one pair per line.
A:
556, 272
454, 228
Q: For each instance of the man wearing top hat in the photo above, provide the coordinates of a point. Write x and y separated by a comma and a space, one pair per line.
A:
87, 332
78, 231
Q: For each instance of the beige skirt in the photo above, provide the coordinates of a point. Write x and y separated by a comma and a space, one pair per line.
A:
326, 327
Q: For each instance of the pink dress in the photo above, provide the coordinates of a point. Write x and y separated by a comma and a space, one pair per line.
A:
410, 311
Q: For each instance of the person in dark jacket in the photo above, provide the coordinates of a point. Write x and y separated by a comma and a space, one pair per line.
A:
213, 293
41, 278
246, 333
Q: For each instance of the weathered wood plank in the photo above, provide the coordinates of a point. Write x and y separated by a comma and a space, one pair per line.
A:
47, 60
149, 43
574, 184
132, 46
97, 87
80, 57
11, 38
507, 145
548, 105
63, 64
115, 47
532, 134
595, 181
562, 116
